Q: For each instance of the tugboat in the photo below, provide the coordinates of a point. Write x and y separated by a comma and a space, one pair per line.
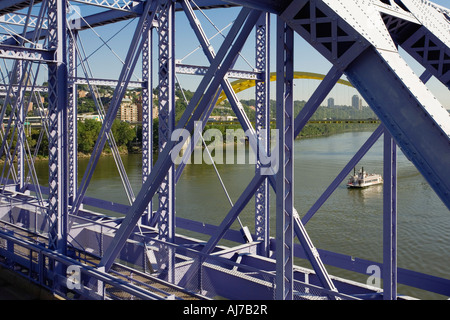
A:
363, 179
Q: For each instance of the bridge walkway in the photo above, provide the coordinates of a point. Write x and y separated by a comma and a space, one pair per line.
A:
122, 273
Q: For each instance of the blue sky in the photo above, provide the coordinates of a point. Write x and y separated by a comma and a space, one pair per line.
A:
104, 62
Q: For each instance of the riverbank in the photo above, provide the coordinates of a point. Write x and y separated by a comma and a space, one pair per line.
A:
308, 132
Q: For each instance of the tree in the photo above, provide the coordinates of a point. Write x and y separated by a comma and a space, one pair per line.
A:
123, 132
88, 131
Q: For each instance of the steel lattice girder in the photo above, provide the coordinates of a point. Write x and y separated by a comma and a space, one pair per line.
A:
57, 114
426, 37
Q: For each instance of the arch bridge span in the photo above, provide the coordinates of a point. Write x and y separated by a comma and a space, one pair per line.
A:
244, 84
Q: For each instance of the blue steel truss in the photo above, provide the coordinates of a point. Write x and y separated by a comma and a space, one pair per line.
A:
260, 267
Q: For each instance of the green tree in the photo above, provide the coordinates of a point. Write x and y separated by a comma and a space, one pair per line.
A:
123, 133
88, 131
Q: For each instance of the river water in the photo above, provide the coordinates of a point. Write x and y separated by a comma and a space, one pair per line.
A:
350, 222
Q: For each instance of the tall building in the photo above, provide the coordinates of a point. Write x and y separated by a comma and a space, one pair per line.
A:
356, 102
330, 102
128, 111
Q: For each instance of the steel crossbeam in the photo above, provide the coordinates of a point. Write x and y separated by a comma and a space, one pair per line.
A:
201, 70
123, 5
8, 6
19, 19
23, 53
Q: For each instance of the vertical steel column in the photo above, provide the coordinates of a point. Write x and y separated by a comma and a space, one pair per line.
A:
285, 175
166, 115
262, 227
389, 218
72, 115
21, 111
147, 117
57, 113
166, 31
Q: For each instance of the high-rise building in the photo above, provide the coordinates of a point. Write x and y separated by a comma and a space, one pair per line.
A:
330, 102
128, 111
355, 101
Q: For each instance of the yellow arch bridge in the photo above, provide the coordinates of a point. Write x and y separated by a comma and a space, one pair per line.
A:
241, 85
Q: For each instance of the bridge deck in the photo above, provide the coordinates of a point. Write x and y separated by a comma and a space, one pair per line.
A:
121, 272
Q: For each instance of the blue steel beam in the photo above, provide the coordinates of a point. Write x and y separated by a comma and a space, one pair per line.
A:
20, 123
8, 6
430, 43
431, 52
23, 53
86, 22
72, 116
389, 218
57, 115
285, 175
262, 127
122, 5
20, 19
166, 124
147, 117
